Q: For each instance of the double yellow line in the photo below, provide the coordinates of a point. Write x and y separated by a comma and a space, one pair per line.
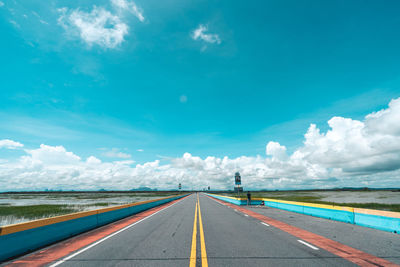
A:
204, 262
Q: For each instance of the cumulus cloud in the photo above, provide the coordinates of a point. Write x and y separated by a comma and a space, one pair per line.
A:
1, 4
52, 155
275, 150
10, 144
351, 153
99, 26
368, 146
115, 153
93, 160
200, 34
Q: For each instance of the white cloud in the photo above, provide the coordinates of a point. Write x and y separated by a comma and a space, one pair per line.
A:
200, 34
93, 160
10, 144
53, 155
368, 146
129, 6
275, 150
351, 153
139, 150
115, 153
97, 27
1, 4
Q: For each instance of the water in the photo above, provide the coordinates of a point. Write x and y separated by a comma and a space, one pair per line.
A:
77, 202
382, 197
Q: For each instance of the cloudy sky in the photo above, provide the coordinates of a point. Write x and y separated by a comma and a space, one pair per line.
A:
123, 94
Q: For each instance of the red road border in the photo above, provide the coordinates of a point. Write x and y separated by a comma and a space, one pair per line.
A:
64, 248
356, 256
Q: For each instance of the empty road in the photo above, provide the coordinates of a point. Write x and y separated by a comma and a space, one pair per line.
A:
201, 231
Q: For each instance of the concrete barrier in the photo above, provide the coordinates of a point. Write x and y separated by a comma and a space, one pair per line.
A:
18, 239
378, 219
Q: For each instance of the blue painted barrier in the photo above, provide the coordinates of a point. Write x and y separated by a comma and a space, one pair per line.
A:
21, 242
377, 219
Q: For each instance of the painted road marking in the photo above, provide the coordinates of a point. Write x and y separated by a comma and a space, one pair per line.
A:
246, 215
105, 238
266, 224
204, 262
356, 256
65, 248
308, 245
194, 241
236, 210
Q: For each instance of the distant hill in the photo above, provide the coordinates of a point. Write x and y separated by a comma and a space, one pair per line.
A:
143, 189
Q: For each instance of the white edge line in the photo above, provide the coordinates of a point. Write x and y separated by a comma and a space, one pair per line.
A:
105, 238
266, 224
308, 245
246, 215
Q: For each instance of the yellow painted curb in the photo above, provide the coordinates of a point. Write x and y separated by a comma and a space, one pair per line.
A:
383, 213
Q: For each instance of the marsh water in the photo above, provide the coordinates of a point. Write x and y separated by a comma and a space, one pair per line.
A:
86, 199
63, 203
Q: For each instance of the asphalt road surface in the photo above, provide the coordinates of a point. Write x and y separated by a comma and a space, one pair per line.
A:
201, 231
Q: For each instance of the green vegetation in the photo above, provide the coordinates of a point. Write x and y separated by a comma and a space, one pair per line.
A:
35, 211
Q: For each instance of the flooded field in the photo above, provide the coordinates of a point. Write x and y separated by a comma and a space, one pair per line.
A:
383, 197
16, 208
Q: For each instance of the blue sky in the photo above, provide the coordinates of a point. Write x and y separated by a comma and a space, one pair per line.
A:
254, 73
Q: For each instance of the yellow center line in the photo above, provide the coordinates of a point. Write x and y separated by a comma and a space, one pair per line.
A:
204, 262
193, 250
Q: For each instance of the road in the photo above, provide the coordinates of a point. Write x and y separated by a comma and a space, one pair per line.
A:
201, 231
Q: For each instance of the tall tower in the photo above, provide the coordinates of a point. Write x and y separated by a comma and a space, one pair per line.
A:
238, 182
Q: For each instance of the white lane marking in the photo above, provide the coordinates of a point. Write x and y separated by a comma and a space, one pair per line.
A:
246, 215
266, 224
219, 202
308, 245
105, 238
236, 210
